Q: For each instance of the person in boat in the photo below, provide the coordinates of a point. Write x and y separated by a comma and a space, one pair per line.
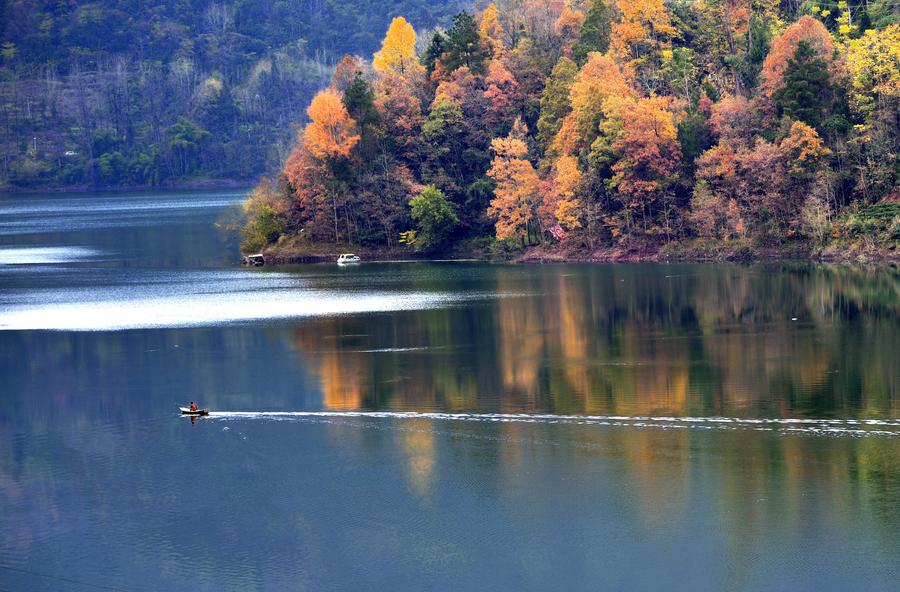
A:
194, 406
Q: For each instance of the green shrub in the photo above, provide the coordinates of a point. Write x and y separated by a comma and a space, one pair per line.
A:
263, 229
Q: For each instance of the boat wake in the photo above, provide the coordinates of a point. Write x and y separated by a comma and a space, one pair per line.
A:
835, 427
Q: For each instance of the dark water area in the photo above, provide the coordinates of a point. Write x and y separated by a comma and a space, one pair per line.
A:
439, 426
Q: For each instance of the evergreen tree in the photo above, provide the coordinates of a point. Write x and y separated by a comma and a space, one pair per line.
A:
595, 32
464, 47
807, 91
760, 38
435, 49
359, 99
694, 139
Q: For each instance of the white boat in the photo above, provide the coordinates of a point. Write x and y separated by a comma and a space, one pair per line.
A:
347, 259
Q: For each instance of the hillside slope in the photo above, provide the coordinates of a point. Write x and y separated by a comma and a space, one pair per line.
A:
125, 93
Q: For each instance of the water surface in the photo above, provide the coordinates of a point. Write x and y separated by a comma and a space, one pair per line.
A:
425, 425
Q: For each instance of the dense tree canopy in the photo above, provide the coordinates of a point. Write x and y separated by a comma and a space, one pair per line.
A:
607, 120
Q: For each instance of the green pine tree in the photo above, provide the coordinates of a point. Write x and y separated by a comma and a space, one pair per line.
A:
595, 32
435, 49
464, 47
806, 94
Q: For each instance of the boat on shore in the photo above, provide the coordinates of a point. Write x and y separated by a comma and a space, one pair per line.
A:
187, 411
256, 260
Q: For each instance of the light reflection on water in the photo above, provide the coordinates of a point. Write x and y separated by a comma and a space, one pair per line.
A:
39, 255
434, 426
193, 309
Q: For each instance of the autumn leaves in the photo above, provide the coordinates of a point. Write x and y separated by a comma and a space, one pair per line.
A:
330, 132
397, 53
613, 119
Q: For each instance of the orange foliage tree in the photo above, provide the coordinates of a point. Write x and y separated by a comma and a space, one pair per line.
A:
331, 131
600, 78
715, 212
803, 149
515, 196
329, 136
316, 194
642, 136
345, 72
502, 94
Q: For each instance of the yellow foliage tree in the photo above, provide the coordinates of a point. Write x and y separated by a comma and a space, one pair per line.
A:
515, 195
600, 78
398, 48
874, 64
491, 31
565, 181
330, 132
644, 27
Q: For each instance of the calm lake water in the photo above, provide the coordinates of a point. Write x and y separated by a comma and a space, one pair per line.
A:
432, 426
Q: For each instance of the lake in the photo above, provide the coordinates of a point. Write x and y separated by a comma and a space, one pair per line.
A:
432, 425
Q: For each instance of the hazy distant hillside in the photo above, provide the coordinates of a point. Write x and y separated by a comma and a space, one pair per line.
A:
124, 92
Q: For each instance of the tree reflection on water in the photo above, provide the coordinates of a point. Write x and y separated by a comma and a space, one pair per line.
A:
625, 340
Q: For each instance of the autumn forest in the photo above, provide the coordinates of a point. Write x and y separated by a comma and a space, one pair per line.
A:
581, 125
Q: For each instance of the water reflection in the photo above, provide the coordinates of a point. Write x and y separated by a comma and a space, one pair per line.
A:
630, 340
417, 441
324, 484
696, 341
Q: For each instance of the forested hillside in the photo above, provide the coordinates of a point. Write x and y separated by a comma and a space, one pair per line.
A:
121, 92
604, 122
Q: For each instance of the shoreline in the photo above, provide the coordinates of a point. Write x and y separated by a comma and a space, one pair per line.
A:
178, 186
850, 254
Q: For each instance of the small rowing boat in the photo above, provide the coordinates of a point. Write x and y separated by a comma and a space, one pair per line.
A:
187, 411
